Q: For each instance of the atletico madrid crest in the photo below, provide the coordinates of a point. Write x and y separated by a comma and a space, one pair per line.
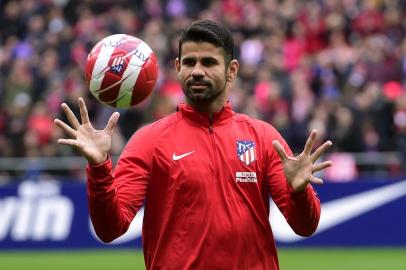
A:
117, 65
246, 151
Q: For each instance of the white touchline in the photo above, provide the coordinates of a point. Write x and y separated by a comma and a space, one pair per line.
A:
339, 211
175, 157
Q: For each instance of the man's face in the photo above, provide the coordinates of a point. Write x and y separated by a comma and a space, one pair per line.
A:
202, 71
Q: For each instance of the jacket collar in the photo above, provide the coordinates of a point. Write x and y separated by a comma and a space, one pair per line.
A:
203, 118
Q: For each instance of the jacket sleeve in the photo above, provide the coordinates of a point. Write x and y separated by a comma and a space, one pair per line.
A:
115, 196
300, 209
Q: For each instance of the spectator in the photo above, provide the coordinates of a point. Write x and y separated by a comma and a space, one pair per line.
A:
336, 65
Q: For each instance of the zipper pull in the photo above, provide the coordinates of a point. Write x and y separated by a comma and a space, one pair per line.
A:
211, 124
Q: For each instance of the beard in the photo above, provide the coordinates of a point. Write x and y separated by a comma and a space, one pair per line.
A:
205, 94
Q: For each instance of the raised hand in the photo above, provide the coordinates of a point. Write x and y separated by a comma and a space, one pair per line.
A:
93, 144
299, 170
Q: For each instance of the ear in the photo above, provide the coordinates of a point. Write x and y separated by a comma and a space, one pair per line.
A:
233, 67
177, 64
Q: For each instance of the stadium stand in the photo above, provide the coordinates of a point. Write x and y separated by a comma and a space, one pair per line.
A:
338, 66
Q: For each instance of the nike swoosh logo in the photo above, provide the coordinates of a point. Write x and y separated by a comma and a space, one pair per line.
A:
175, 157
339, 211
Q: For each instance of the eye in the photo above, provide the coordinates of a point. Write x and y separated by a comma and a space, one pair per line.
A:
209, 62
188, 62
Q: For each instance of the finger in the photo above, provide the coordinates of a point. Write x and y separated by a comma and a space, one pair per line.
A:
321, 166
320, 151
112, 123
70, 131
71, 142
71, 116
316, 180
83, 111
310, 142
279, 149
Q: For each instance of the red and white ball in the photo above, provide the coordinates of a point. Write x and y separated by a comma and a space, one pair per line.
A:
121, 71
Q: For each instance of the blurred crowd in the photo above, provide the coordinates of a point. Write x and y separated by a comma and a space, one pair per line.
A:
337, 66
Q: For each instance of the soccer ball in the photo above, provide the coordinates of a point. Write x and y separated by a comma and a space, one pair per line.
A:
121, 71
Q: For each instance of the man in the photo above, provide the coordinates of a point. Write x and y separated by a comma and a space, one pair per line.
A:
205, 172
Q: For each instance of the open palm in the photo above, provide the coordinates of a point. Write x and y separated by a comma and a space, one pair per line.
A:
93, 144
299, 171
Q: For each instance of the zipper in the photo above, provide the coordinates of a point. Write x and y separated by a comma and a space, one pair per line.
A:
215, 158
211, 124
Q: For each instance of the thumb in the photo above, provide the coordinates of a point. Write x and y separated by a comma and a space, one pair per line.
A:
112, 123
280, 150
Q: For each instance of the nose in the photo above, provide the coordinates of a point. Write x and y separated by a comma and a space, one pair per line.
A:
198, 71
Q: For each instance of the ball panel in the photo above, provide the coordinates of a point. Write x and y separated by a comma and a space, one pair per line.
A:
151, 68
109, 94
91, 60
129, 44
101, 64
110, 86
146, 80
130, 77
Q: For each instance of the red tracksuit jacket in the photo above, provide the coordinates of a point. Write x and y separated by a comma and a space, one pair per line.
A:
206, 185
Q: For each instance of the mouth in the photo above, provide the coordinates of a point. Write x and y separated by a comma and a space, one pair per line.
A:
198, 86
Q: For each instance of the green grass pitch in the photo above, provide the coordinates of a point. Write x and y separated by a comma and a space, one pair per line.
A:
290, 259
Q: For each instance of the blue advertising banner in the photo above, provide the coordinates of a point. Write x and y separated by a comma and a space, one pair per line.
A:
353, 214
53, 214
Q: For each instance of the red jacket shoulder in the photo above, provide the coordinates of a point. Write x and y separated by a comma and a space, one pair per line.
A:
156, 128
265, 128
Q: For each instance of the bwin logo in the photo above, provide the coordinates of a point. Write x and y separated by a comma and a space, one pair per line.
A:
38, 213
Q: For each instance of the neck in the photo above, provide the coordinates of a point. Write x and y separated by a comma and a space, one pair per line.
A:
209, 107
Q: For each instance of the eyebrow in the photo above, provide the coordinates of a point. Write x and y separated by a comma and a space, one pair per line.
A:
187, 58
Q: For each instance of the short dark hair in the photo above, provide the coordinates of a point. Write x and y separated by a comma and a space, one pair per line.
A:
211, 32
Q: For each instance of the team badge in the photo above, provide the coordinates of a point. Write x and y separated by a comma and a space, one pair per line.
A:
117, 65
246, 151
